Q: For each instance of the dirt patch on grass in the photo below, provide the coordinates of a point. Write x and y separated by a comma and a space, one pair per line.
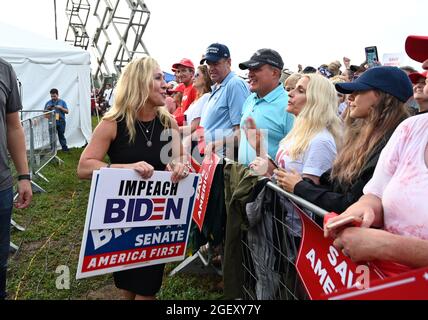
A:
108, 292
33, 246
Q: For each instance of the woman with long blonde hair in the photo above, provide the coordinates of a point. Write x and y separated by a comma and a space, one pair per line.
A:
130, 134
311, 146
377, 106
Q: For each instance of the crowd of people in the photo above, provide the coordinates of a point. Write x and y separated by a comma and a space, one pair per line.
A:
342, 137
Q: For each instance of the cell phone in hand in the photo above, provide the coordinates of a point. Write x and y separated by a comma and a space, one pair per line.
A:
372, 57
273, 162
347, 222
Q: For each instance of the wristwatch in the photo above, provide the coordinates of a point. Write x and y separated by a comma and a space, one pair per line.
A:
24, 177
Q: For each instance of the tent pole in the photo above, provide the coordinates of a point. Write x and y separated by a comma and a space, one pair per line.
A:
56, 26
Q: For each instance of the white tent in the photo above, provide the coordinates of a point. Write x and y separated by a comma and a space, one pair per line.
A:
41, 64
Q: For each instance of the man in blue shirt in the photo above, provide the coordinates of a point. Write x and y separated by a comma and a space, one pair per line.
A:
60, 110
222, 113
265, 108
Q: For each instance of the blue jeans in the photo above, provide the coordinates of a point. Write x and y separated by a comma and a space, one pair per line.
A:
60, 128
6, 204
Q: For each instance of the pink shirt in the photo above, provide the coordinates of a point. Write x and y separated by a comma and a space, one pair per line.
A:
401, 179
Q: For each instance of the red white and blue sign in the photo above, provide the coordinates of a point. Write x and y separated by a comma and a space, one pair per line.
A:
123, 200
207, 171
159, 236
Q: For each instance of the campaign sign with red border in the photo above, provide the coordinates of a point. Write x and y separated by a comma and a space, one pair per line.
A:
109, 250
323, 268
203, 192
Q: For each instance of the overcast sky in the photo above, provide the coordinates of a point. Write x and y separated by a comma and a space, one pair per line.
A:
310, 32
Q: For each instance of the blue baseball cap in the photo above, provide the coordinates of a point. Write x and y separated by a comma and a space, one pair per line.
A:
390, 80
215, 52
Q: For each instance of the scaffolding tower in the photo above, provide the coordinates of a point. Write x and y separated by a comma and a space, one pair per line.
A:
120, 22
130, 31
77, 12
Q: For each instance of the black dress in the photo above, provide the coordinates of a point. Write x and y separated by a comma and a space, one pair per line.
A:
145, 281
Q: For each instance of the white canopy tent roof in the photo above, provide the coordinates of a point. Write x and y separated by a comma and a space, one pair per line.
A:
42, 64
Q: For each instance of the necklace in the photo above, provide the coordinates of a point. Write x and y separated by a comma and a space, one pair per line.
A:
146, 128
152, 125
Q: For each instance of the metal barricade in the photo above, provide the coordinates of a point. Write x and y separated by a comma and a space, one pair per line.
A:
270, 248
270, 252
41, 143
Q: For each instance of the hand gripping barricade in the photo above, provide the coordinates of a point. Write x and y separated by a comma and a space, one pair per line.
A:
287, 257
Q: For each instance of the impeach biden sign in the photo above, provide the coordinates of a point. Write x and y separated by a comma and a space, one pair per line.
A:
132, 222
124, 200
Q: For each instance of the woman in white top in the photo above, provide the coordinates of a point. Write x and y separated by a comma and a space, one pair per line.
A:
311, 146
202, 82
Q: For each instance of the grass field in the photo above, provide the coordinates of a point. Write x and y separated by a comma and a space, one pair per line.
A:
54, 225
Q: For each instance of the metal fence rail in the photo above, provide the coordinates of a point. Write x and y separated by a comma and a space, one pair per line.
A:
270, 248
41, 143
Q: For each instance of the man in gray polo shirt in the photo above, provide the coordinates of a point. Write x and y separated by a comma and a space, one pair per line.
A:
11, 139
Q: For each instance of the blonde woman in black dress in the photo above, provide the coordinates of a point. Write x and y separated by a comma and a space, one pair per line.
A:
133, 135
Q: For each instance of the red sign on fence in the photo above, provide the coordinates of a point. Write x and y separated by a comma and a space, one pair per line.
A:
408, 286
328, 274
324, 269
204, 187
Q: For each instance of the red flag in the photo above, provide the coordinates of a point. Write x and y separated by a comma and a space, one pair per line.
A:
207, 171
323, 268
